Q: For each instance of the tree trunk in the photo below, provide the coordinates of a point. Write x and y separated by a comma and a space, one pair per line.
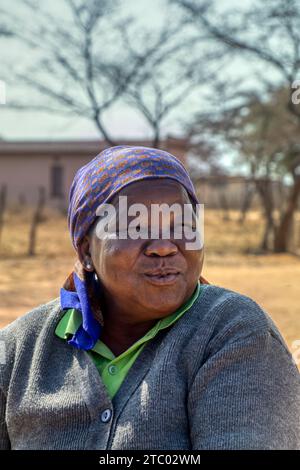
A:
246, 202
268, 231
225, 207
266, 196
282, 232
103, 131
156, 138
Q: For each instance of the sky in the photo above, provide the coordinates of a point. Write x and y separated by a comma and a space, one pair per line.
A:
124, 121
121, 120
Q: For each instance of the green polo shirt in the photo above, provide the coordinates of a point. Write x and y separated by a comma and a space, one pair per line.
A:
113, 369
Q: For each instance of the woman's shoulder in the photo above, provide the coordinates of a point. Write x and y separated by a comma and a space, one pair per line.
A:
19, 339
33, 322
229, 314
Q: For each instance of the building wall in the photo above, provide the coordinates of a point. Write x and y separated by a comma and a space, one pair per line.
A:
23, 173
23, 176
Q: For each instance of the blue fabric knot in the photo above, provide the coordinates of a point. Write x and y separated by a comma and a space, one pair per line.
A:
89, 332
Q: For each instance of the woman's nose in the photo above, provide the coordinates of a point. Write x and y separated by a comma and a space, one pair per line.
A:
160, 247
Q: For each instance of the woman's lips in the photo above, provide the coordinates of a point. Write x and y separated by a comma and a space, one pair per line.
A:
162, 279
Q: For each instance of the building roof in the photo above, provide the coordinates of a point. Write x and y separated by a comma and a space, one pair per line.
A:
78, 147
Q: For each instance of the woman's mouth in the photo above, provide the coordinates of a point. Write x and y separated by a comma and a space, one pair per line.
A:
162, 279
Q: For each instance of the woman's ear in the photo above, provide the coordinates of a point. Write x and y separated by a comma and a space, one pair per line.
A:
84, 254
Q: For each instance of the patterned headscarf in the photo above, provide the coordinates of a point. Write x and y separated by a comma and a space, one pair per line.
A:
95, 184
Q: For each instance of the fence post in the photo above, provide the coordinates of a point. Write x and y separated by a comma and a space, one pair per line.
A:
37, 217
3, 193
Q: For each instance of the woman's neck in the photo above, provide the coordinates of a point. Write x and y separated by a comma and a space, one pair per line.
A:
119, 335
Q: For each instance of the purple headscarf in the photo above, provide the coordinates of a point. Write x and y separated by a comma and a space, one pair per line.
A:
111, 170
95, 184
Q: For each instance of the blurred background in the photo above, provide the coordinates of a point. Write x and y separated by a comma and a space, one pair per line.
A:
217, 83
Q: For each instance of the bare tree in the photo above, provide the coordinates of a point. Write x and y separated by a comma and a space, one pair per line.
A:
79, 62
4, 31
249, 192
266, 136
163, 87
264, 34
62, 72
89, 58
267, 32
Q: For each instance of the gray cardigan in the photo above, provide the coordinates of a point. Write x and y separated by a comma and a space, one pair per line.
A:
221, 377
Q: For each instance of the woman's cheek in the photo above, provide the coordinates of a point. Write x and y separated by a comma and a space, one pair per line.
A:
120, 254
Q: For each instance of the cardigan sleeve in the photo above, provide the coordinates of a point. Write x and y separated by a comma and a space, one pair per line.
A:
4, 439
246, 395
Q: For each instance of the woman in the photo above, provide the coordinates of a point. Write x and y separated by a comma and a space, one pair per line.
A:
139, 351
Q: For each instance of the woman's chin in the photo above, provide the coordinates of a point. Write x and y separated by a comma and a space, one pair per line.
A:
165, 305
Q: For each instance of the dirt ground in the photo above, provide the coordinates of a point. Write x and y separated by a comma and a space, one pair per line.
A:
271, 280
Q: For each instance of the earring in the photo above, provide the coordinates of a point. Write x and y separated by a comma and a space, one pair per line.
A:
88, 265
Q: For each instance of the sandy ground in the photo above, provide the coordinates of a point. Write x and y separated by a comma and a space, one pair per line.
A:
271, 280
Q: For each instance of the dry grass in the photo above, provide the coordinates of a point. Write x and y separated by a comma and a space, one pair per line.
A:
273, 280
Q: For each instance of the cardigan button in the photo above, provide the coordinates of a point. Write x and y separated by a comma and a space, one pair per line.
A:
106, 415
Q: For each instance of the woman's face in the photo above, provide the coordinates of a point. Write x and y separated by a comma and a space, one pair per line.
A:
130, 270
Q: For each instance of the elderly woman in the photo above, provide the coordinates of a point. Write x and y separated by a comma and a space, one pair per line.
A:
139, 351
